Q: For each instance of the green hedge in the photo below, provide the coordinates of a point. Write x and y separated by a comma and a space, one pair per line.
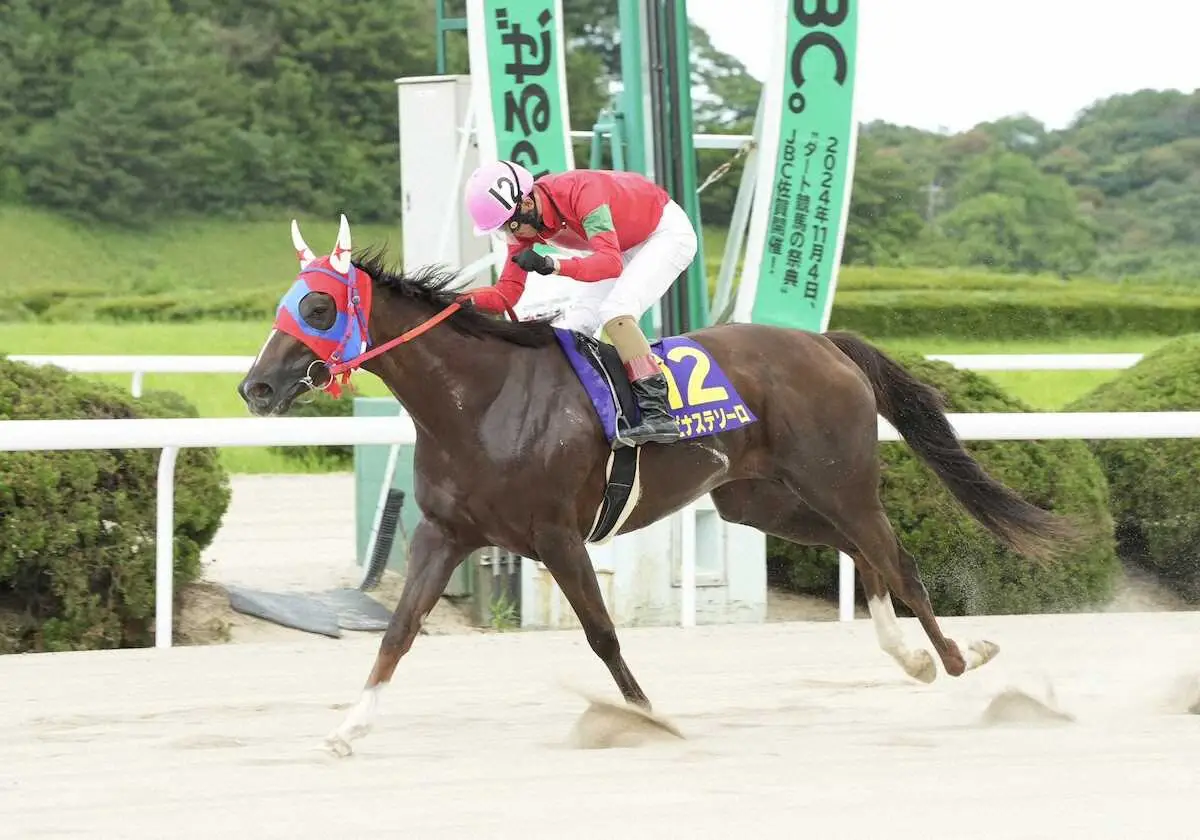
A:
77, 527
996, 315
172, 307
863, 278
1155, 483
881, 303
966, 570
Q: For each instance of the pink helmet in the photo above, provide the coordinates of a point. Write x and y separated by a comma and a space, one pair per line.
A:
493, 193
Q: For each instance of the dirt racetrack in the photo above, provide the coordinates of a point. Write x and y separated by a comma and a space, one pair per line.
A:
791, 730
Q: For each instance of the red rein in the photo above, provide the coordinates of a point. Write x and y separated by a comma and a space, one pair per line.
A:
345, 369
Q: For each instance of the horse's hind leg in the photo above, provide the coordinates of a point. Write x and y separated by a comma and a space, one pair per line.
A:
776, 510
873, 535
918, 664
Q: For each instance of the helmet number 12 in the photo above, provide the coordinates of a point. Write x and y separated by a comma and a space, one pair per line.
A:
510, 202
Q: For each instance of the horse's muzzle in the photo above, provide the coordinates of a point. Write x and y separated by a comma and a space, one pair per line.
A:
258, 395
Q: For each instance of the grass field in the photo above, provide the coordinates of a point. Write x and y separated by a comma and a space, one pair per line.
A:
214, 394
215, 260
183, 268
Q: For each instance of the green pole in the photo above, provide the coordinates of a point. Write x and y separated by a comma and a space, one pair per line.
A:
444, 25
697, 299
632, 68
632, 109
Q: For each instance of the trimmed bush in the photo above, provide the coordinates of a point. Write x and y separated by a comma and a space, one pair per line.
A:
966, 570
77, 527
1017, 314
184, 306
1155, 487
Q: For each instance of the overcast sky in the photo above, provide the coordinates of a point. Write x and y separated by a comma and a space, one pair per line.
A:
955, 63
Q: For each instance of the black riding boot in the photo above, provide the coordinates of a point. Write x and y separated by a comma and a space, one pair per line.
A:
656, 425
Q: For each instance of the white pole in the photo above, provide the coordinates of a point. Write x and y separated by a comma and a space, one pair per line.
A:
453, 211
164, 568
845, 587
722, 305
687, 559
136, 387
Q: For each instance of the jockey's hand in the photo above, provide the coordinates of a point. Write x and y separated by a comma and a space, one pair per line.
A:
485, 298
531, 260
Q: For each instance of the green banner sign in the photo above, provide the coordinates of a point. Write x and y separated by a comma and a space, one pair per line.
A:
805, 169
519, 75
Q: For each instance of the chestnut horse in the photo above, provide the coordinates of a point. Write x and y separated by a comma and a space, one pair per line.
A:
510, 453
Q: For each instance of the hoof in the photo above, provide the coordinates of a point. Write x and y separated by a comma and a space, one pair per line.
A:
339, 746
981, 653
953, 660
920, 666
338, 741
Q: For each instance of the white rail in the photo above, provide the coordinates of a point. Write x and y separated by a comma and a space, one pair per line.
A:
1040, 361
173, 434
139, 366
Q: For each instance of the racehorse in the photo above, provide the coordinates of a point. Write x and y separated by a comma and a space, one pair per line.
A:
511, 448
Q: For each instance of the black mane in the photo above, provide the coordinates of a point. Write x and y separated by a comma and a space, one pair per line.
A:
431, 285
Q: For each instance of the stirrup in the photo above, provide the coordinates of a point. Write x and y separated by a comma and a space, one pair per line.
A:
645, 433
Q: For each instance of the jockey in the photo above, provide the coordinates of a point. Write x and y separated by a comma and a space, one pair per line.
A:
639, 241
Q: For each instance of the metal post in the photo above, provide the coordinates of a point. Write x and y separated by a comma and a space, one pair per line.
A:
620, 137
693, 301
687, 571
660, 123
632, 68
444, 25
636, 99
722, 303
164, 549
677, 297
845, 587
452, 220
603, 127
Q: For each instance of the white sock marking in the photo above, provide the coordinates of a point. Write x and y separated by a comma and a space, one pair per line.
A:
887, 627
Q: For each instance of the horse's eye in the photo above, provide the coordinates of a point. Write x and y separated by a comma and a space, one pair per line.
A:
317, 310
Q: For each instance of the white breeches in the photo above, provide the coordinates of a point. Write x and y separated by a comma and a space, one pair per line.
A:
650, 269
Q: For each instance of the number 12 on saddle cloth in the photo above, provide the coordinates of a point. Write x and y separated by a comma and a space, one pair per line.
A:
699, 394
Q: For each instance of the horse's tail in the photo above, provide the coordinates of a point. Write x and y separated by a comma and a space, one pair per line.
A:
917, 412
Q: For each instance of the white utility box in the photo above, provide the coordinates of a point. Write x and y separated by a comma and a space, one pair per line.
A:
435, 227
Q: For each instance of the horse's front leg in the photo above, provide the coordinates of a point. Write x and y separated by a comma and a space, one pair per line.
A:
567, 558
433, 556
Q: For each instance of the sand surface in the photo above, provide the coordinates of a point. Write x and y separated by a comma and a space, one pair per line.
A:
1078, 729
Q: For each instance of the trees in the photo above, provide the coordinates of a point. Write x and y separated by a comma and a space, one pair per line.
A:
131, 111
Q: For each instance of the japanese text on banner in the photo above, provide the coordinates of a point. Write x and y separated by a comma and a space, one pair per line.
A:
809, 159
524, 63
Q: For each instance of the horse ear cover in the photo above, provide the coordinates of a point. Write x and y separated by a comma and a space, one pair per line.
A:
303, 252
339, 258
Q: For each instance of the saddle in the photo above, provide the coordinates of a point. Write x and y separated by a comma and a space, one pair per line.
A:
622, 488
700, 397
